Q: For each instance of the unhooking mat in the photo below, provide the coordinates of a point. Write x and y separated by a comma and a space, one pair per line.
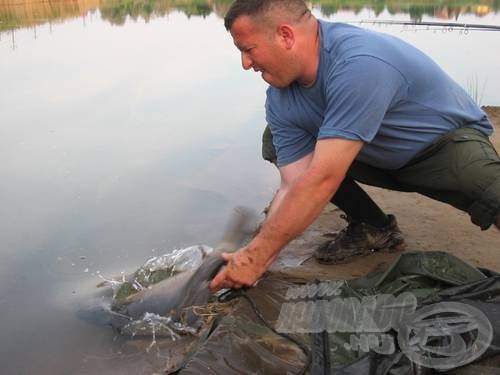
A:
429, 312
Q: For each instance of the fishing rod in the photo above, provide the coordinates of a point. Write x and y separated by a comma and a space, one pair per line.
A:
449, 25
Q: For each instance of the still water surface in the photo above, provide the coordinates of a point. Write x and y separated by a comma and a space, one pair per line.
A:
126, 132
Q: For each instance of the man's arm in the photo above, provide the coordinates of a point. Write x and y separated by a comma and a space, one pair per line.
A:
288, 174
299, 204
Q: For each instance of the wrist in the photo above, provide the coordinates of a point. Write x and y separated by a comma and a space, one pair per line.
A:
261, 251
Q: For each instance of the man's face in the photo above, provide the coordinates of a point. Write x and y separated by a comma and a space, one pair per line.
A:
262, 50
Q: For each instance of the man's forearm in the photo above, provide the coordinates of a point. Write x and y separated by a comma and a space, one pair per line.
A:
297, 206
275, 203
291, 211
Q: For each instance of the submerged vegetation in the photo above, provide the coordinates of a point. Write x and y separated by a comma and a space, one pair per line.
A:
16, 14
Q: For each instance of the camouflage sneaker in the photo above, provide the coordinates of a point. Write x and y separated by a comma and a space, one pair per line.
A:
360, 239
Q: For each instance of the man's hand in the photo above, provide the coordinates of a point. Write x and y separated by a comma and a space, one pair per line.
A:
243, 268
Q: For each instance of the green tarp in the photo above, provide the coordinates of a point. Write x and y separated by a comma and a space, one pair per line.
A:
430, 311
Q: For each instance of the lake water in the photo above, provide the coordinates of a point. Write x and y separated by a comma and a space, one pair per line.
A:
128, 130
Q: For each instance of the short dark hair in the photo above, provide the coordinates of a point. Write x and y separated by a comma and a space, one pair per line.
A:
259, 7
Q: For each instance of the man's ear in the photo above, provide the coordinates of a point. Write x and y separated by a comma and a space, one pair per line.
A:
286, 35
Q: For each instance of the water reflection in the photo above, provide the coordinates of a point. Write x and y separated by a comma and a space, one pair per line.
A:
14, 15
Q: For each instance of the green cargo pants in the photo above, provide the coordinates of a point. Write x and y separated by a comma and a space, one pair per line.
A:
461, 168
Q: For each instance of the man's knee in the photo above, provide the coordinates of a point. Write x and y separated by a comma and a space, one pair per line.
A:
479, 173
462, 169
485, 210
268, 150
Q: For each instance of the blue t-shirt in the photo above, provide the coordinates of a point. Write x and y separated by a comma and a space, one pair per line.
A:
371, 87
